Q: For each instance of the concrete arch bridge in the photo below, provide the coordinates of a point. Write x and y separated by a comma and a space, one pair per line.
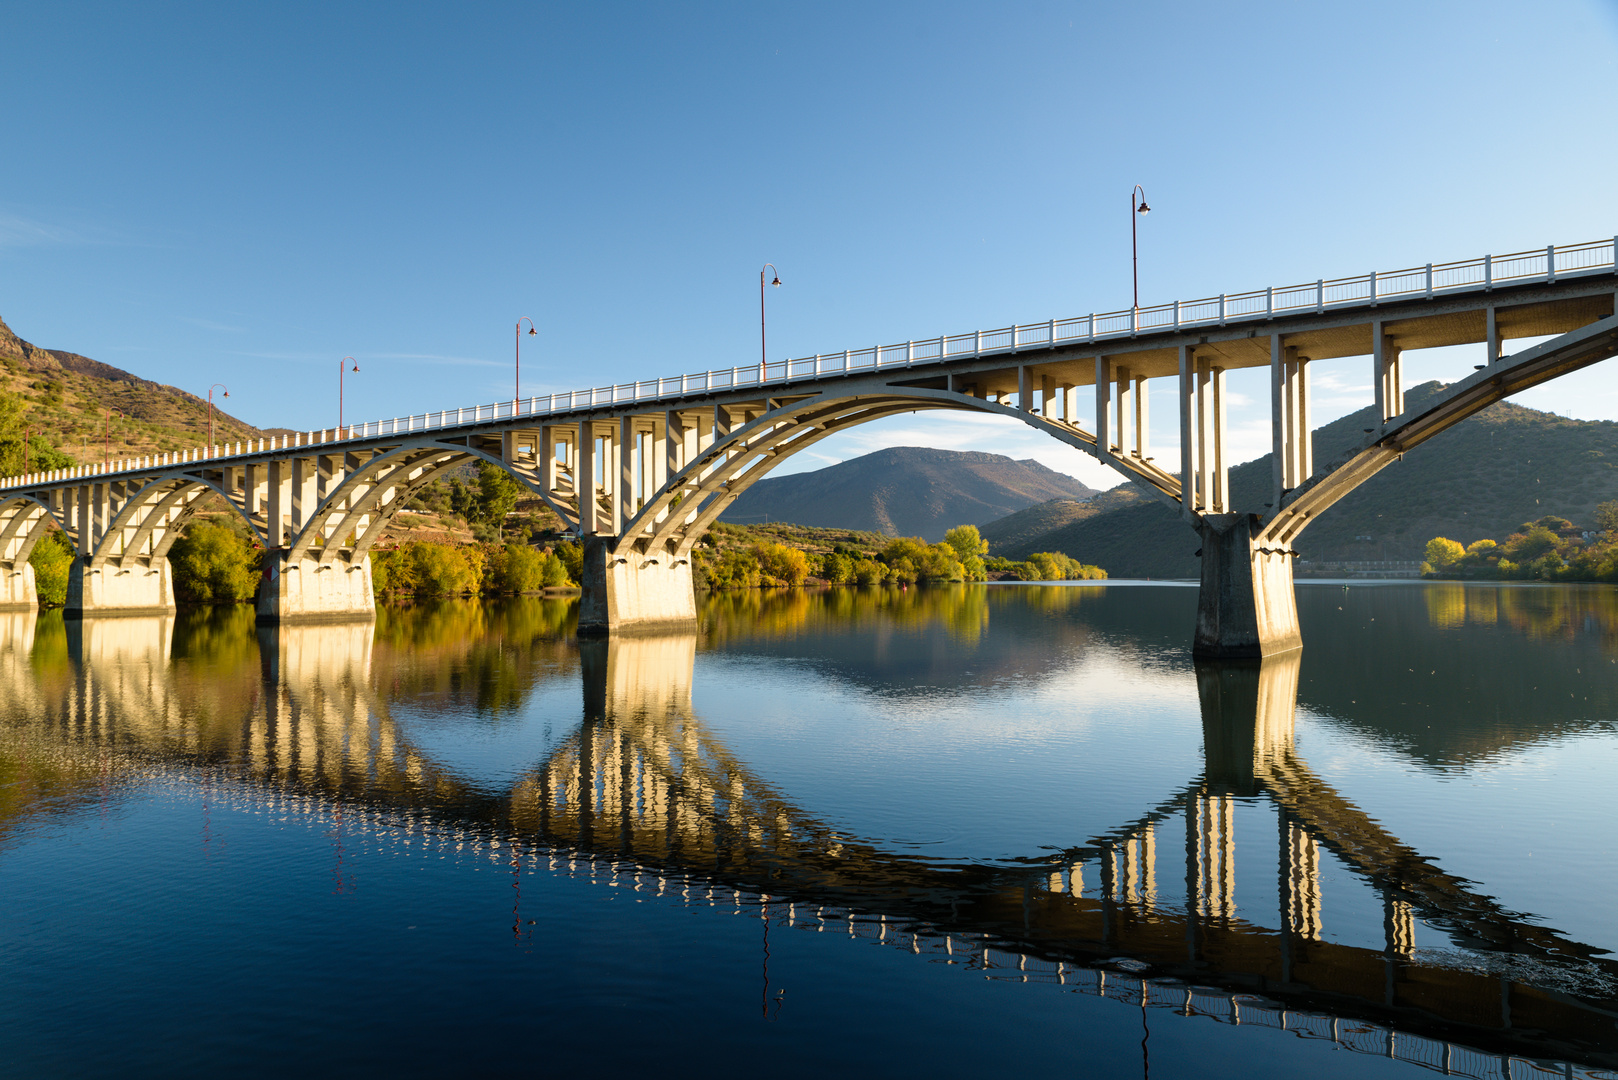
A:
644, 783
640, 470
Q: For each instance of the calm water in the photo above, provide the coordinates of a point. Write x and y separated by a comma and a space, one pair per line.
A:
937, 831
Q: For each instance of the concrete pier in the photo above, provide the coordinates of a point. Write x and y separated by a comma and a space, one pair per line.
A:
634, 593
109, 589
307, 590
17, 591
1246, 608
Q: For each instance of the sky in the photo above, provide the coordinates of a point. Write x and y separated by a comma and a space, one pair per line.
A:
245, 194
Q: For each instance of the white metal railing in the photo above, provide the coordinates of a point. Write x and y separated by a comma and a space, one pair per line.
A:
1547, 264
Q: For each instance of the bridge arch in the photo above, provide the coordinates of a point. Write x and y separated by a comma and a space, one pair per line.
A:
720, 473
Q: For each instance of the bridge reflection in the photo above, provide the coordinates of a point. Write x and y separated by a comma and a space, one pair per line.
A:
644, 795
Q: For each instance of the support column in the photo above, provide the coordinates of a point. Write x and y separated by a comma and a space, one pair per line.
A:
634, 592
1143, 418
1387, 371
625, 449
547, 458
1247, 607
1103, 409
1125, 410
1025, 388
1047, 397
584, 479
1188, 473
1205, 439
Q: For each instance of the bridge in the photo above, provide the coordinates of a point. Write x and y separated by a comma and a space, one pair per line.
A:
644, 789
639, 471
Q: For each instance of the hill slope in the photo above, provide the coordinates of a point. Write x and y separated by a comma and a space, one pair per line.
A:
66, 397
906, 491
1482, 478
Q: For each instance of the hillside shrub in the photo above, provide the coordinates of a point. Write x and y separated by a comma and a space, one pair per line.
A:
214, 563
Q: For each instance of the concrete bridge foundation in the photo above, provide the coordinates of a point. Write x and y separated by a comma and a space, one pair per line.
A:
110, 589
1247, 607
17, 591
634, 593
307, 590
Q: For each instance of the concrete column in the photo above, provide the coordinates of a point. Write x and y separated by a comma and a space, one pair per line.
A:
1205, 438
1104, 438
1070, 404
304, 501
1491, 337
1246, 607
1025, 388
1125, 410
1278, 422
1386, 366
1047, 397
1221, 467
1306, 434
278, 511
624, 448
1143, 420
584, 479
673, 444
1188, 474
547, 458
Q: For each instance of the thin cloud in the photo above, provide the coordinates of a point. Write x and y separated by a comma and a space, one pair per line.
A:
17, 231
209, 325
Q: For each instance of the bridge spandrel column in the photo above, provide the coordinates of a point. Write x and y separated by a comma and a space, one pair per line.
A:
634, 593
307, 590
1247, 607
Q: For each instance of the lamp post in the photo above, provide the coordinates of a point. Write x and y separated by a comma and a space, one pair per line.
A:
517, 389
777, 283
211, 389
341, 370
1134, 245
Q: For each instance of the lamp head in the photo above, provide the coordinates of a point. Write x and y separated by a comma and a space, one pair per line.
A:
532, 331
1143, 208
776, 283
227, 393
356, 366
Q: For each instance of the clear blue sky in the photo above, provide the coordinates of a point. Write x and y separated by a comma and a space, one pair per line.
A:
245, 193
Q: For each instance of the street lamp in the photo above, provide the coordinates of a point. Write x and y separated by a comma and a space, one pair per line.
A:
211, 389
776, 274
517, 396
340, 372
1136, 211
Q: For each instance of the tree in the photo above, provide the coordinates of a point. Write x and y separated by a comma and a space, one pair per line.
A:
495, 496
1443, 553
1606, 516
967, 542
214, 564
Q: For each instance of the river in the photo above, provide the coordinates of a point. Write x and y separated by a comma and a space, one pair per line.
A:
943, 831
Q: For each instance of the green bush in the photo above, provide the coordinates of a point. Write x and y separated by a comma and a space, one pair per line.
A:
214, 563
515, 568
51, 559
572, 556
781, 565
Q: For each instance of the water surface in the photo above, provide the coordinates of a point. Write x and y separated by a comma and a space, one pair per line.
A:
946, 831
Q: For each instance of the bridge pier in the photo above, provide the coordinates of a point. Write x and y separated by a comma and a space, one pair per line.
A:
17, 590
1247, 607
109, 589
307, 590
634, 593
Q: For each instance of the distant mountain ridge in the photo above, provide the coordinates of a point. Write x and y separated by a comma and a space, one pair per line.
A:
906, 491
89, 409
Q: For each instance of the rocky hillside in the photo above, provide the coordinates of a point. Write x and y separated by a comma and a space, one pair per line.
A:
67, 397
1482, 478
906, 491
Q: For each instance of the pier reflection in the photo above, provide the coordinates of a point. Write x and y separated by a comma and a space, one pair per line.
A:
303, 716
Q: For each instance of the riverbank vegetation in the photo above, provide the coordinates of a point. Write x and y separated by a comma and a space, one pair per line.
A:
1550, 549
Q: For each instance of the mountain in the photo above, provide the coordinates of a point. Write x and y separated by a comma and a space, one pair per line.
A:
1482, 478
906, 491
66, 399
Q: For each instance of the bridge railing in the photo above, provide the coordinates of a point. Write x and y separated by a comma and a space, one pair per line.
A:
1433, 279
